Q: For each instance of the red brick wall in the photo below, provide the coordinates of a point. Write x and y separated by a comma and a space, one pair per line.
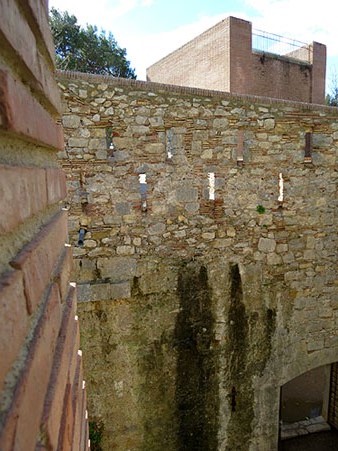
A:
318, 72
202, 62
42, 400
280, 78
222, 59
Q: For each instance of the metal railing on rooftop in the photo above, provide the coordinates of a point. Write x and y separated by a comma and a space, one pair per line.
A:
263, 41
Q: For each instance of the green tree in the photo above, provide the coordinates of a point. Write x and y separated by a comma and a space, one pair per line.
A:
86, 50
332, 96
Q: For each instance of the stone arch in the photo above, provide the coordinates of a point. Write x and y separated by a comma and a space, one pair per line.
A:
267, 393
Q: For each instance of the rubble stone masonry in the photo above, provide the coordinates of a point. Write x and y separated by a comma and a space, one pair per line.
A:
42, 396
208, 272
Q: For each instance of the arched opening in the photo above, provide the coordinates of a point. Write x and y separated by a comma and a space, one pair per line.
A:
309, 411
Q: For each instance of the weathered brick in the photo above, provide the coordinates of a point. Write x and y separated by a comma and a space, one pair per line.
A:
38, 258
63, 271
56, 185
22, 194
13, 320
39, 12
74, 353
23, 115
20, 426
84, 426
67, 420
79, 417
69, 413
53, 407
23, 43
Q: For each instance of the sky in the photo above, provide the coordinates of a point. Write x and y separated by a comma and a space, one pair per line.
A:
150, 29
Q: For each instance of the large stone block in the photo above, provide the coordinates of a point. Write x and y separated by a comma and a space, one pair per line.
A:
266, 245
187, 193
117, 269
103, 291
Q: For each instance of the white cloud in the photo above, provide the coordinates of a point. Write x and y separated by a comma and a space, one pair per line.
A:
102, 13
301, 19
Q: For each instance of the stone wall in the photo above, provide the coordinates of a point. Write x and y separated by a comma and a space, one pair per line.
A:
42, 397
198, 302
222, 58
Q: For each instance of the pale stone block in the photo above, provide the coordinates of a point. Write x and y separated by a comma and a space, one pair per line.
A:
207, 154
288, 258
220, 123
266, 245
154, 148
78, 142
103, 291
139, 129
97, 143
157, 229
274, 259
192, 207
180, 234
309, 254
109, 111
231, 232
101, 155
122, 208
83, 93
71, 121
156, 121
90, 243
208, 236
187, 194
141, 120
123, 143
84, 132
137, 241
281, 248
125, 250
220, 243
269, 124
117, 269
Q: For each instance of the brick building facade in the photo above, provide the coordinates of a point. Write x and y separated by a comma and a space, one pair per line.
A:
222, 58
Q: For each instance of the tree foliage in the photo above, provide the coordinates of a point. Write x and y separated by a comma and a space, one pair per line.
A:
85, 49
332, 96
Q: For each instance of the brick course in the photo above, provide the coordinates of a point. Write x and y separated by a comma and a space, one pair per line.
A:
39, 335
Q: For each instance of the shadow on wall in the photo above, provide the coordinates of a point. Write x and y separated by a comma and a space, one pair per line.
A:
197, 396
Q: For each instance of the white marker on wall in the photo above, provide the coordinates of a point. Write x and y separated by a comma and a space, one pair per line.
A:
211, 177
281, 188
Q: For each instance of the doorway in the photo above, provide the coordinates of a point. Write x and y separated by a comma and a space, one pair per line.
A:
309, 410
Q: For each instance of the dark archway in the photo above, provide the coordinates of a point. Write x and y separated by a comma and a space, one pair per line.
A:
309, 411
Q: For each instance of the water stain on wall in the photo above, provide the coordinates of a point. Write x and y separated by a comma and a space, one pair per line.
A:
197, 396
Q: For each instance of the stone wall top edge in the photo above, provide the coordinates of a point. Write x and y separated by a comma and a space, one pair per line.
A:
186, 90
